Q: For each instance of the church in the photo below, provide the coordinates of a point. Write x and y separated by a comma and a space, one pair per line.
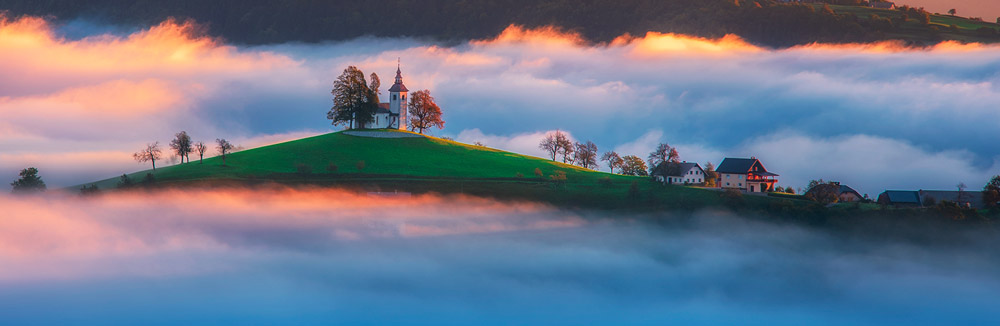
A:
392, 115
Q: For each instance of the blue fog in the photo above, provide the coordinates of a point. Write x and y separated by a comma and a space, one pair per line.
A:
709, 269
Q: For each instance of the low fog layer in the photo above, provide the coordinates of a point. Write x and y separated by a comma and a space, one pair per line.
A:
322, 256
874, 116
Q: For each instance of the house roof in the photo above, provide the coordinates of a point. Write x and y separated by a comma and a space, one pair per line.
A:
974, 198
846, 189
674, 170
743, 166
902, 196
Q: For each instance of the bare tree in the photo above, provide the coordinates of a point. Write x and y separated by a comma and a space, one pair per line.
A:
565, 146
201, 149
586, 155
424, 113
614, 160
224, 147
182, 145
149, 154
663, 153
549, 145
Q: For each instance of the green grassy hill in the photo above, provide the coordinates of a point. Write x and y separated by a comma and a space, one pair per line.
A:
427, 164
939, 29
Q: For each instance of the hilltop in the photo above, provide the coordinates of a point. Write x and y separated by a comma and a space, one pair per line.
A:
410, 162
762, 22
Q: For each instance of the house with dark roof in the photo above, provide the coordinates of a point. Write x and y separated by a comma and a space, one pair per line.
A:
900, 198
746, 174
848, 194
392, 115
917, 198
679, 173
882, 4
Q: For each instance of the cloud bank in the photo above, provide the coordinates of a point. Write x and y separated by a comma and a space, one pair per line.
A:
318, 256
111, 94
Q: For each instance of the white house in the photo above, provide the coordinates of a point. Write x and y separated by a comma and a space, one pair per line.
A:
392, 115
679, 173
746, 174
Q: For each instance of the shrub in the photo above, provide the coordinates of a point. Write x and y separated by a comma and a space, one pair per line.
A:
332, 168
360, 165
520, 175
89, 190
929, 201
303, 168
148, 180
558, 178
633, 190
538, 172
125, 182
733, 198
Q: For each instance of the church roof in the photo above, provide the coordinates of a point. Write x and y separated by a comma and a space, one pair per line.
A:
398, 86
383, 108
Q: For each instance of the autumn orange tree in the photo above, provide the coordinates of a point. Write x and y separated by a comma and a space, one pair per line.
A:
424, 112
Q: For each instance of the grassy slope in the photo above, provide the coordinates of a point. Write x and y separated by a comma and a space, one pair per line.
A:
914, 31
430, 165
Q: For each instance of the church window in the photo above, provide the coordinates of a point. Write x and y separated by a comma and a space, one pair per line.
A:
393, 97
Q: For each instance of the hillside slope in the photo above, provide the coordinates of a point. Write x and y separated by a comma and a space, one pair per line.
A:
427, 164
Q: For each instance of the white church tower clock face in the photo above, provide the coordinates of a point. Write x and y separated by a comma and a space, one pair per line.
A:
397, 100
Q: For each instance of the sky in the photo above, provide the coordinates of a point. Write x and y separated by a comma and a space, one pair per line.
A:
313, 256
989, 10
76, 101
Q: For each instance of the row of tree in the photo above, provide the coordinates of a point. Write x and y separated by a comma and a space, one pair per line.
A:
355, 102
182, 146
584, 154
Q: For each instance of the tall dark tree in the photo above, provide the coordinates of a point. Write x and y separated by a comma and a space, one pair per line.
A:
424, 112
224, 147
991, 193
149, 154
182, 145
952, 12
29, 182
201, 149
614, 160
375, 85
354, 103
586, 155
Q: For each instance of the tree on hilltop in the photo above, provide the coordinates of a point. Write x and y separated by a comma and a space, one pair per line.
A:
149, 154
553, 143
424, 112
182, 145
614, 160
201, 149
354, 102
663, 153
565, 146
991, 193
586, 155
29, 182
633, 165
952, 11
224, 147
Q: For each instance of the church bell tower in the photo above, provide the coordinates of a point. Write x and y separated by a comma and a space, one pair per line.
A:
397, 101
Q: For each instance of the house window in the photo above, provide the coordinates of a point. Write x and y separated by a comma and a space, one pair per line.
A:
727, 183
727, 177
393, 97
